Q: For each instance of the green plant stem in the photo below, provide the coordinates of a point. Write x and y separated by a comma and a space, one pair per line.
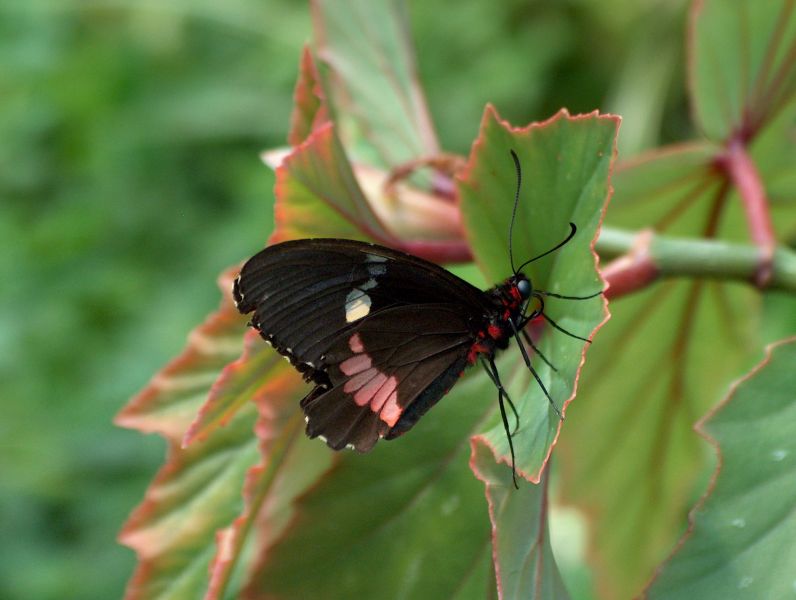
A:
682, 257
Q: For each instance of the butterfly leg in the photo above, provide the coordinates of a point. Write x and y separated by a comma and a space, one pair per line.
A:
499, 386
536, 350
491, 369
540, 311
533, 371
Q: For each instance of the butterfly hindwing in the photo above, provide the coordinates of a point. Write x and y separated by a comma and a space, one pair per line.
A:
386, 373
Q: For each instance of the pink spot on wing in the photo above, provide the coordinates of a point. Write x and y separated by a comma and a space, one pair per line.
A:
365, 394
357, 381
391, 411
370, 386
355, 343
356, 364
384, 392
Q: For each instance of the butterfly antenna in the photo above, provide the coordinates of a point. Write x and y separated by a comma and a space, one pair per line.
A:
518, 168
572, 230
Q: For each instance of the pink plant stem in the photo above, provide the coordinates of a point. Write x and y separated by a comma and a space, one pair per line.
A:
632, 271
743, 173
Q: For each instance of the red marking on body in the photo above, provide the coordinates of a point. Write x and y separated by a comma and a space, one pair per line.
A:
475, 350
495, 332
355, 343
515, 293
356, 364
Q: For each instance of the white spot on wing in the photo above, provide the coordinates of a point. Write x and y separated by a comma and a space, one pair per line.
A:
323, 439
377, 269
357, 305
375, 258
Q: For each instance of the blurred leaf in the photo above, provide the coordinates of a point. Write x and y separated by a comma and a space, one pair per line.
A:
566, 162
678, 189
309, 106
290, 464
170, 402
669, 189
373, 82
743, 64
318, 195
524, 561
653, 372
740, 538
197, 491
381, 524
194, 495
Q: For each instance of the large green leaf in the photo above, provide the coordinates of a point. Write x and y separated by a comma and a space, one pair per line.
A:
198, 489
524, 563
566, 163
197, 493
743, 59
407, 520
173, 397
317, 194
653, 372
373, 82
740, 540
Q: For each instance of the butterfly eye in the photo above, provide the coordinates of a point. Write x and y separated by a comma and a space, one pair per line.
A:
524, 287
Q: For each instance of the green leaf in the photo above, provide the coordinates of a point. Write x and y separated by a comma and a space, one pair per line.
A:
405, 520
524, 561
198, 490
566, 162
373, 82
317, 194
669, 189
743, 64
309, 105
740, 540
170, 402
653, 372
196, 493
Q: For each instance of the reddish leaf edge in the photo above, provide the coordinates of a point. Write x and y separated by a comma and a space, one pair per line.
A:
134, 414
315, 143
490, 112
200, 428
699, 427
419, 103
275, 444
474, 441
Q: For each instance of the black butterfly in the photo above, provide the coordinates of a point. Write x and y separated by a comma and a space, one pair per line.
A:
382, 334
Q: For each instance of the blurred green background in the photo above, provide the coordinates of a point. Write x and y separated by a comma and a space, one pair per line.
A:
129, 178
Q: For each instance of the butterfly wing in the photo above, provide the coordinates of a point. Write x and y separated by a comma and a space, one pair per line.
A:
317, 301
305, 293
386, 373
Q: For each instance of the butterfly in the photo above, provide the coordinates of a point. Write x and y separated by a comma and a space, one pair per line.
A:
383, 335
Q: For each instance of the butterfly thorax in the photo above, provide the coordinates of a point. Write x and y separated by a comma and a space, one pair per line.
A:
509, 300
